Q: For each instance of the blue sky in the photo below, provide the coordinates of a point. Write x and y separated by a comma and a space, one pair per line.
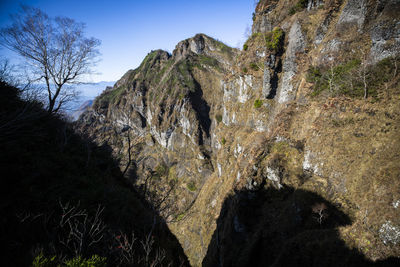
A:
130, 29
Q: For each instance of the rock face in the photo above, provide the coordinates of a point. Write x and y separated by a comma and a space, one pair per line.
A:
275, 142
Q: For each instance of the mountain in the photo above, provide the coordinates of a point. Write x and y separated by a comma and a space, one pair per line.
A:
86, 92
284, 153
83, 107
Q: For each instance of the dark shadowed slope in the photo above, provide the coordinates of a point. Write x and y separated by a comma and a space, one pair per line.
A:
63, 196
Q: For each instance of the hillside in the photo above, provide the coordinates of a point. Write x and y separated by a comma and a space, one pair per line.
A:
287, 147
64, 200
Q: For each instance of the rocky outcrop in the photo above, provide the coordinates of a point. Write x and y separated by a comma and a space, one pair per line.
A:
296, 44
211, 130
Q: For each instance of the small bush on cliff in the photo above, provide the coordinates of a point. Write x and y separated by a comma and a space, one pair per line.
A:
354, 78
191, 186
258, 103
300, 5
252, 38
218, 117
254, 66
274, 40
223, 141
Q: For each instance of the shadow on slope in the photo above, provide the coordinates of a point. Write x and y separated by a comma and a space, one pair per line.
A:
45, 166
285, 227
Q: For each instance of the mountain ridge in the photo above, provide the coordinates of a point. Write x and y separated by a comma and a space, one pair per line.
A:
308, 104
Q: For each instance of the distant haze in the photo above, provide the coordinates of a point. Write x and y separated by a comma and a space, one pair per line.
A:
88, 93
93, 89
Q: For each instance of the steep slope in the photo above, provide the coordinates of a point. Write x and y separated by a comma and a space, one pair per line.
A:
64, 199
167, 105
310, 105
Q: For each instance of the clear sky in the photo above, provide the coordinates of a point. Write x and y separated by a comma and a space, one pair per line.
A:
130, 29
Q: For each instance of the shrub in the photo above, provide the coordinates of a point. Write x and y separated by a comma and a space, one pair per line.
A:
258, 103
180, 216
274, 40
346, 78
253, 37
244, 69
313, 74
300, 5
94, 261
162, 170
218, 117
254, 66
191, 186
223, 141
342, 79
42, 261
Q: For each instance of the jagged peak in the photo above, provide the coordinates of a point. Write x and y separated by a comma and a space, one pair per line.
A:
199, 44
195, 44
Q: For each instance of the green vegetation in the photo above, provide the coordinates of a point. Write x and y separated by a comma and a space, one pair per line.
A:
300, 5
254, 66
208, 61
161, 73
223, 141
253, 37
348, 78
191, 186
42, 261
180, 217
245, 70
218, 118
337, 79
181, 96
94, 261
181, 74
342, 122
258, 103
111, 96
223, 48
274, 40
160, 171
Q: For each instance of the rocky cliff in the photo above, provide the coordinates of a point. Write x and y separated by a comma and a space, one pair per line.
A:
286, 145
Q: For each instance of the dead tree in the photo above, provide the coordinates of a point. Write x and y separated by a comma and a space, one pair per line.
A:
55, 49
320, 211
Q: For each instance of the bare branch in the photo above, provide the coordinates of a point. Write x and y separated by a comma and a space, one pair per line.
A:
54, 48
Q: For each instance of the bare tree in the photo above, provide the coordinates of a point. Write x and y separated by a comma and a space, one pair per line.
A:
55, 49
83, 231
320, 210
5, 71
363, 74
